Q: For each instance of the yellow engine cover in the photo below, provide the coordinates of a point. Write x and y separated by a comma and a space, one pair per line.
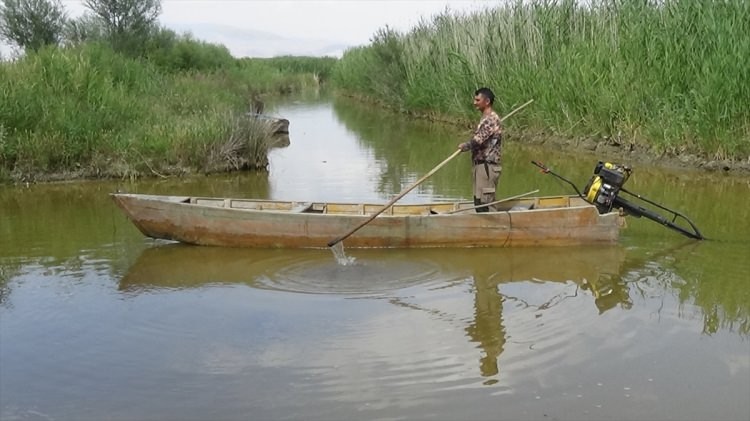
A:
594, 189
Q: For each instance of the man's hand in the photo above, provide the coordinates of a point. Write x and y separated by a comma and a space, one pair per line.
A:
464, 147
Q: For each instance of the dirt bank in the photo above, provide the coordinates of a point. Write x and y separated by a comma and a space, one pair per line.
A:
612, 149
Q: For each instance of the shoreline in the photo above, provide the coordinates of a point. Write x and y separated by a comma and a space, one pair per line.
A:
607, 151
640, 154
614, 148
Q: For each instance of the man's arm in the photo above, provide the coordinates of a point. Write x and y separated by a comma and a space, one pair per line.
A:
482, 134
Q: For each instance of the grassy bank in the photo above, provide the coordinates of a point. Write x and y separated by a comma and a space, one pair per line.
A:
670, 76
90, 111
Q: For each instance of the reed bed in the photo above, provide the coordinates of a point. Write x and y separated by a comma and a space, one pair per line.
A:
88, 111
670, 75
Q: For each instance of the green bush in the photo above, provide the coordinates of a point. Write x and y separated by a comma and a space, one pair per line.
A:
175, 52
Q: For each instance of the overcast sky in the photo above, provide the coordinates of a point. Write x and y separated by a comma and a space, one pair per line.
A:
302, 27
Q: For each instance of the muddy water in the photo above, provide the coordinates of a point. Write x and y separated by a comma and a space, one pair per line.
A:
97, 322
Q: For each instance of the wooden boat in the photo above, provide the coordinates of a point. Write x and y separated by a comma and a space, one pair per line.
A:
557, 220
533, 221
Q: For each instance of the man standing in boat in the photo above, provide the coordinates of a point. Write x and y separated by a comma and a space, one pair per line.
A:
485, 147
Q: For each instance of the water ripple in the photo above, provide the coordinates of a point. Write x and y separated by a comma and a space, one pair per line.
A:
310, 274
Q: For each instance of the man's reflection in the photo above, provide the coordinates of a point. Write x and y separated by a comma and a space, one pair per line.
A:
603, 281
487, 328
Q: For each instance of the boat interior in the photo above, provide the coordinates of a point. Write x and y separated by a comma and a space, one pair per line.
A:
438, 208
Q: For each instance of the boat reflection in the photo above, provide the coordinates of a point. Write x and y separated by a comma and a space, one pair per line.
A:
595, 272
177, 266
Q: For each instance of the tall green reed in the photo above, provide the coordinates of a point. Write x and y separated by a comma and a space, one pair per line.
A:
670, 74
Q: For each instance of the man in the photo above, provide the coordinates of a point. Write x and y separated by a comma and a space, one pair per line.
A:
485, 147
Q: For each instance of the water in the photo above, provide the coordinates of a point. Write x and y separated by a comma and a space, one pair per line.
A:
97, 322
340, 255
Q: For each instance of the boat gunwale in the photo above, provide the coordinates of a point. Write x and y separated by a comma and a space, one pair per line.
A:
188, 201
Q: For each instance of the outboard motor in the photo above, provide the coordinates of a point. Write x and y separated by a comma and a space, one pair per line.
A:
604, 186
604, 191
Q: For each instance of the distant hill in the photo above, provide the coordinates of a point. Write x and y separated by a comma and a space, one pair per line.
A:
251, 43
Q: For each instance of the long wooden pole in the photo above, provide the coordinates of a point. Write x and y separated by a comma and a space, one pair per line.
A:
519, 108
410, 188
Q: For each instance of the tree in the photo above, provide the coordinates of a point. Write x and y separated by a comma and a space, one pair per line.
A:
84, 29
32, 24
127, 23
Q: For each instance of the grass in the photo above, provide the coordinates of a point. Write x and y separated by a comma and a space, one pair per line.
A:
669, 75
88, 111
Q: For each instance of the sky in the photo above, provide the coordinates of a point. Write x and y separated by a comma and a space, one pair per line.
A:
264, 28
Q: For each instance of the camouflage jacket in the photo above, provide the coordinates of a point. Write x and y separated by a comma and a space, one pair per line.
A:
486, 142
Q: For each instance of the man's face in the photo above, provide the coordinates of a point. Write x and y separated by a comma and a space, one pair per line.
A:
480, 102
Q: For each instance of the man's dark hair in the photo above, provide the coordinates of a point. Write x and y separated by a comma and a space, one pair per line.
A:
487, 93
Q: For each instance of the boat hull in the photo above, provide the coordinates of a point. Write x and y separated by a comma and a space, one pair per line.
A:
250, 223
